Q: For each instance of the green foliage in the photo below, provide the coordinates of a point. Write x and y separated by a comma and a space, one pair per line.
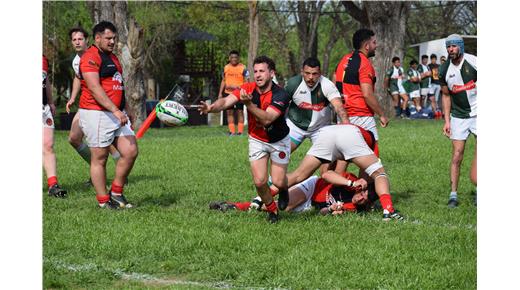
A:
172, 240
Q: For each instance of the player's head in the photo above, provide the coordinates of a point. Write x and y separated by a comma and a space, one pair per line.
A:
413, 63
396, 61
78, 37
311, 71
443, 59
433, 58
455, 46
234, 57
105, 36
364, 39
424, 59
264, 70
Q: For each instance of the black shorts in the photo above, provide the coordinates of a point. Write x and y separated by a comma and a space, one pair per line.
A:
237, 106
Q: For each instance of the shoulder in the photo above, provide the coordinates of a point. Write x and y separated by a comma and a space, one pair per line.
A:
471, 59
294, 82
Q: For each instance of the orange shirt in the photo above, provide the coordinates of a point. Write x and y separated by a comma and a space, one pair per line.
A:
110, 76
234, 76
353, 70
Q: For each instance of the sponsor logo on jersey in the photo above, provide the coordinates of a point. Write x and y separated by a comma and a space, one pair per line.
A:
466, 87
451, 76
117, 77
281, 104
302, 92
91, 62
314, 107
117, 88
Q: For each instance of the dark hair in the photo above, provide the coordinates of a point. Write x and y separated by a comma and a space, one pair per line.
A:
395, 58
424, 56
433, 55
311, 62
413, 61
234, 52
361, 36
78, 29
265, 59
101, 26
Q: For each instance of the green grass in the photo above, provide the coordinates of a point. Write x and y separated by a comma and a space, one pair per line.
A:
172, 240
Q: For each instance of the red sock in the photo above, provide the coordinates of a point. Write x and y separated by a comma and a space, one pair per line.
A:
116, 189
242, 205
386, 202
240, 127
272, 207
52, 181
102, 198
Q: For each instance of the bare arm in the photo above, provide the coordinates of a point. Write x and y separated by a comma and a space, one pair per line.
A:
219, 105
76, 85
340, 111
265, 118
368, 92
93, 84
446, 105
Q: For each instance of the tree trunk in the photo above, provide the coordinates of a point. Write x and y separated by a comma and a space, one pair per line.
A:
129, 50
388, 21
308, 17
253, 36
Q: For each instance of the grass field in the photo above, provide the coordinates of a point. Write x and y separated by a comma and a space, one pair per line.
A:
172, 240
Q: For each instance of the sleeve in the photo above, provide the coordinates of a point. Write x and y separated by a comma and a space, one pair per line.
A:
280, 100
292, 85
409, 72
442, 73
45, 64
420, 69
472, 60
339, 76
366, 74
388, 73
247, 86
349, 206
329, 89
89, 63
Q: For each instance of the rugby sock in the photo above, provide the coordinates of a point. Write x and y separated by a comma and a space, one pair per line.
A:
386, 202
243, 206
453, 195
240, 127
116, 156
231, 127
102, 199
272, 207
51, 181
84, 152
116, 189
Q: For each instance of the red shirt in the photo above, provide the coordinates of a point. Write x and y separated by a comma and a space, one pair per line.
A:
276, 99
110, 76
322, 192
45, 71
353, 70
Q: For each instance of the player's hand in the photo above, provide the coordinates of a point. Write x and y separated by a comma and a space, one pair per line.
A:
69, 103
123, 119
131, 117
53, 109
383, 120
361, 184
245, 97
204, 108
446, 130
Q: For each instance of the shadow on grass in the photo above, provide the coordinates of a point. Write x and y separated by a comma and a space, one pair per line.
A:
402, 195
164, 200
83, 184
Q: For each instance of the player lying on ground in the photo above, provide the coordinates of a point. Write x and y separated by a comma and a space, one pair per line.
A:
318, 193
350, 143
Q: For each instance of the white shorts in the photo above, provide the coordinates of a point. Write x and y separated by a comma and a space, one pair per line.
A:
307, 186
102, 127
298, 135
415, 94
368, 123
435, 90
425, 91
401, 88
47, 120
342, 142
279, 152
461, 128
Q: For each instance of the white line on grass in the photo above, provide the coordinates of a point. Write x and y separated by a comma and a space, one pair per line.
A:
140, 277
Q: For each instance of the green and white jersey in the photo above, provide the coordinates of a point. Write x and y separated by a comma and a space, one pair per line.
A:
425, 82
310, 108
394, 74
411, 86
461, 81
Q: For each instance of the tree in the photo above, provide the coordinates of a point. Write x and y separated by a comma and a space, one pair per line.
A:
307, 19
388, 21
253, 35
130, 51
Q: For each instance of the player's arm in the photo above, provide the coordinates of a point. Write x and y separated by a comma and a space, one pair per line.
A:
264, 118
48, 90
446, 105
76, 86
334, 178
340, 111
219, 105
368, 92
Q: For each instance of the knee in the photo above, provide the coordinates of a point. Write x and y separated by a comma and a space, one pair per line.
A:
280, 182
132, 152
48, 146
260, 181
74, 141
457, 157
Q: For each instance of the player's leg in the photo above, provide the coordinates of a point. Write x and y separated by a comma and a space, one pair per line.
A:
404, 104
231, 121
456, 160
127, 146
76, 139
240, 118
473, 172
306, 168
49, 157
395, 103
260, 176
279, 179
114, 153
98, 162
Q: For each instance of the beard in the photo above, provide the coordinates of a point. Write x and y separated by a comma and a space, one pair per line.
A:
372, 53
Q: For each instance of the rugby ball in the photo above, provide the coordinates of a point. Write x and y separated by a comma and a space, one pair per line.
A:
171, 113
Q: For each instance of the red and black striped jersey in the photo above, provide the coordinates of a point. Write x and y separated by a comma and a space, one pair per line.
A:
45, 72
276, 99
